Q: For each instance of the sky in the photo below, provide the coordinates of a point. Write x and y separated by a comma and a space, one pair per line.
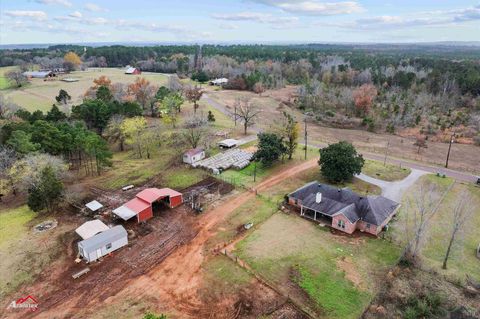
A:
242, 21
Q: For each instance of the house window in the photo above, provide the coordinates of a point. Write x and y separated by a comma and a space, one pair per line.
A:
109, 246
341, 224
368, 226
296, 201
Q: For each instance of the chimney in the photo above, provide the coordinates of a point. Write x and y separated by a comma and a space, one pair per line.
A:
318, 198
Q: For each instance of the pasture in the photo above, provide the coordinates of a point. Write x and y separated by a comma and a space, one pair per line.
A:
40, 94
462, 259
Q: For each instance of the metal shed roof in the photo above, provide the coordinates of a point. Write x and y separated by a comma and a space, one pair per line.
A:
193, 151
91, 228
124, 212
94, 205
229, 142
151, 195
103, 238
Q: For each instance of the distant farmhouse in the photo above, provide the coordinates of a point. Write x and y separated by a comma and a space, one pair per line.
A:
343, 209
132, 70
219, 82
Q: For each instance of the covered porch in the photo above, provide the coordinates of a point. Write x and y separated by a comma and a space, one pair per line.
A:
315, 215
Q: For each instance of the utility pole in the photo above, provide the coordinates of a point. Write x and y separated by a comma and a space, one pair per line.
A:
235, 114
386, 152
305, 137
449, 147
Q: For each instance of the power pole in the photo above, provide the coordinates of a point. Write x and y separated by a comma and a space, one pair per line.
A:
305, 137
235, 114
449, 147
386, 152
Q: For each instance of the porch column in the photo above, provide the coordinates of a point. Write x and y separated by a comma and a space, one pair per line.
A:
301, 210
315, 216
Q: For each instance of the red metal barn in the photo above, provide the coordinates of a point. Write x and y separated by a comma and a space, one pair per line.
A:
142, 209
142, 205
169, 196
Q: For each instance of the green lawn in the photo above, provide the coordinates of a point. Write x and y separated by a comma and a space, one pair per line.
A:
462, 260
287, 249
386, 172
164, 162
4, 82
25, 254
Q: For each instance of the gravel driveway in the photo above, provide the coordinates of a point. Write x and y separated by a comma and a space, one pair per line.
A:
394, 190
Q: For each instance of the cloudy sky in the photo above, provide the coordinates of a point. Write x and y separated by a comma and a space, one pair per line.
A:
266, 21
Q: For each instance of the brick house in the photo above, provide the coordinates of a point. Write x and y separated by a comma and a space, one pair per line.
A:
343, 209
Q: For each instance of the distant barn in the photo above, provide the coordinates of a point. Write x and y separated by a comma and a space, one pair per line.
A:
38, 74
131, 70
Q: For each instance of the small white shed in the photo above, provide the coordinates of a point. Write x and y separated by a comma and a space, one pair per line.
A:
102, 244
193, 155
93, 205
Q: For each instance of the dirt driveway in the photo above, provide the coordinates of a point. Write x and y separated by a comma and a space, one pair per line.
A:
172, 284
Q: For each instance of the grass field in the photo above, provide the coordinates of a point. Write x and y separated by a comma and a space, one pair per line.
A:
462, 260
338, 273
40, 94
4, 82
25, 254
386, 172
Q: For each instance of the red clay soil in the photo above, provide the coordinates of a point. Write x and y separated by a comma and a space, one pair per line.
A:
163, 267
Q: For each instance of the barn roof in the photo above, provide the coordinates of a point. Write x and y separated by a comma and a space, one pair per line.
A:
91, 228
99, 240
124, 212
137, 205
37, 74
151, 195
130, 70
371, 209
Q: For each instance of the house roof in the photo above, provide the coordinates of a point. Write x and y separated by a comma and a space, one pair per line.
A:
193, 151
91, 228
94, 205
106, 237
151, 195
371, 209
229, 142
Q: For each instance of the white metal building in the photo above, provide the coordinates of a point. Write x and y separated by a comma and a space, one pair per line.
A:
103, 243
91, 228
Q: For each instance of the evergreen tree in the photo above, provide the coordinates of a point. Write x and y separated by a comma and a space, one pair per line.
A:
47, 193
55, 115
270, 148
63, 97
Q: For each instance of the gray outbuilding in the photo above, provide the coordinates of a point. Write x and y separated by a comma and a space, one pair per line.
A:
103, 243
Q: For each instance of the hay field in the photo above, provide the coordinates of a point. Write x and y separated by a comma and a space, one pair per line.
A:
40, 94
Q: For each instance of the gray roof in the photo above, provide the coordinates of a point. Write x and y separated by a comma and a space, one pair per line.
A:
103, 238
371, 209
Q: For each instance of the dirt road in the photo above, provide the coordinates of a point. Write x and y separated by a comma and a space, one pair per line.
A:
173, 284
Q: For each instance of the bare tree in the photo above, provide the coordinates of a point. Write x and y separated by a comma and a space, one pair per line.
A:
7, 108
246, 112
17, 77
420, 208
174, 83
196, 130
461, 212
193, 94
7, 158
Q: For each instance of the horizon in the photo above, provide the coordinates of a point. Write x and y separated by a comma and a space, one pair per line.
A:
36, 22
